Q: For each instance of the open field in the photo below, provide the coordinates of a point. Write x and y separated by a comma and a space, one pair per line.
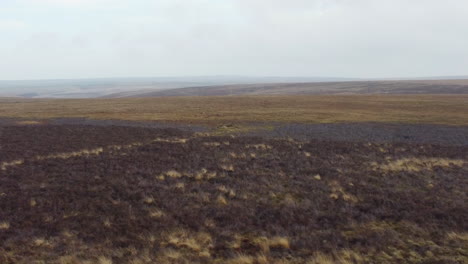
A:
414, 109
237, 180
111, 194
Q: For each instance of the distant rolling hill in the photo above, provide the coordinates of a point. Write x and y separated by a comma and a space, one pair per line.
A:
127, 87
347, 87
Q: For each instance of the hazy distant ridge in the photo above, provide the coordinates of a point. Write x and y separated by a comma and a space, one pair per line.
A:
224, 85
355, 87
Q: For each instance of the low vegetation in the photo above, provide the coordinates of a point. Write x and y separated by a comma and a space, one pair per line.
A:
178, 197
427, 109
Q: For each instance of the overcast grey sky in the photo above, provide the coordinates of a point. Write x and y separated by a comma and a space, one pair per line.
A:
44, 39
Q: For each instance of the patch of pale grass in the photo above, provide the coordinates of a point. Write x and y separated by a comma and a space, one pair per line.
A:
241, 259
180, 185
104, 260
227, 167
4, 225
160, 177
172, 254
107, 223
5, 165
221, 200
259, 146
222, 189
320, 258
345, 256
174, 140
28, 122
417, 164
67, 155
67, 234
200, 242
148, 200
458, 236
70, 260
337, 192
212, 144
173, 174
266, 243
204, 174
263, 242
42, 242
279, 242
156, 213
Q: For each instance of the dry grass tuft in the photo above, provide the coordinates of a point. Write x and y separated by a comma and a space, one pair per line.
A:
28, 122
337, 192
171, 254
156, 213
176, 140
195, 241
458, 236
180, 185
69, 260
279, 242
4, 225
173, 174
266, 243
221, 200
241, 259
148, 200
212, 144
5, 165
418, 164
343, 257
42, 242
204, 174
107, 223
259, 146
227, 167
320, 258
104, 260
262, 259
263, 242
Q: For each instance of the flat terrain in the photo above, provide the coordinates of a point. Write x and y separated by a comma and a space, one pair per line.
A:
239, 180
414, 109
315, 88
119, 194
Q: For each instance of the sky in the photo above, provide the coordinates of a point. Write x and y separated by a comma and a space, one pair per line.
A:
61, 39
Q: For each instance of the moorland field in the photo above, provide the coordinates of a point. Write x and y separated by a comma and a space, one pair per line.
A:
236, 179
212, 110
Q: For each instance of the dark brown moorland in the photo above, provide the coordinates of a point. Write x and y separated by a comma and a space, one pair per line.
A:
107, 194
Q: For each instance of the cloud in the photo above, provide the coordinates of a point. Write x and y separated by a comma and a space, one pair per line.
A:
69, 3
350, 38
12, 25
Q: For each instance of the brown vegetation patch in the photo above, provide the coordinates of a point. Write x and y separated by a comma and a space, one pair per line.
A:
29, 122
163, 202
418, 164
223, 111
